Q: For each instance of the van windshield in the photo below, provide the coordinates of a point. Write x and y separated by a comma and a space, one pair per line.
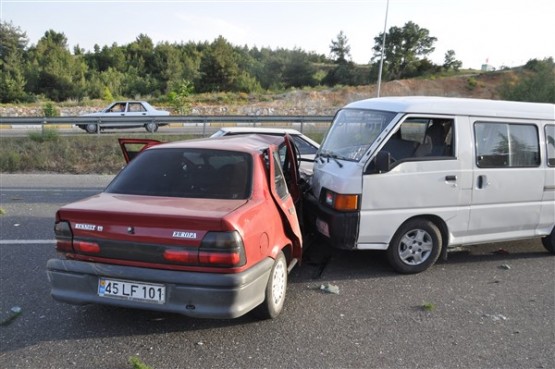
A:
353, 131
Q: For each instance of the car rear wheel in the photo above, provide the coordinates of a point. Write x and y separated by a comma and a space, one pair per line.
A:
415, 246
151, 127
91, 128
275, 290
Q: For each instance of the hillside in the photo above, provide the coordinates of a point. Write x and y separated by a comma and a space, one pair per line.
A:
318, 101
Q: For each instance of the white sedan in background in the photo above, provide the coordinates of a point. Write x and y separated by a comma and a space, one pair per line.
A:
306, 146
125, 109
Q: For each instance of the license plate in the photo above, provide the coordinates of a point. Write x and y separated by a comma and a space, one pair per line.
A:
133, 291
322, 227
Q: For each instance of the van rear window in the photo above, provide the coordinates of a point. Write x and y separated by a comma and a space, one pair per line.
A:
503, 145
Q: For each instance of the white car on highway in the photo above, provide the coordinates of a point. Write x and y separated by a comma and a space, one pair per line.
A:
125, 109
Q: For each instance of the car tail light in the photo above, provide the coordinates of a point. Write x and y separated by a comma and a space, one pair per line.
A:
341, 202
181, 256
86, 247
64, 237
222, 249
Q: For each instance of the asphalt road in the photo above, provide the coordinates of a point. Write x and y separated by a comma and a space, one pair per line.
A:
487, 309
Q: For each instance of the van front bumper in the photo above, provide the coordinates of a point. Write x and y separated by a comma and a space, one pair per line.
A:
199, 295
341, 228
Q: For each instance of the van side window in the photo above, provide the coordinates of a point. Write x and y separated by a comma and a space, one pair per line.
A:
550, 143
502, 145
421, 138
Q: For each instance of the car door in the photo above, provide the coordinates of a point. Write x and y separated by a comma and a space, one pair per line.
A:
282, 194
131, 147
135, 109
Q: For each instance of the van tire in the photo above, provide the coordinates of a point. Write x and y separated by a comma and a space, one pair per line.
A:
415, 246
549, 242
276, 288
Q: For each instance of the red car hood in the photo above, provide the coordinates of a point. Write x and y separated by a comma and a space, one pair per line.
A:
147, 218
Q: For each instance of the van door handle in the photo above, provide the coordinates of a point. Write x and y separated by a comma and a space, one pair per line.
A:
482, 181
450, 178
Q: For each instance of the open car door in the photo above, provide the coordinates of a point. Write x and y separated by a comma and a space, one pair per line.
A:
284, 198
131, 147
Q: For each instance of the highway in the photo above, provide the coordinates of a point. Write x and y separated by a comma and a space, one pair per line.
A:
488, 306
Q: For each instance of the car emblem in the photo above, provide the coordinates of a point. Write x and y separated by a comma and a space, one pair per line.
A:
131, 230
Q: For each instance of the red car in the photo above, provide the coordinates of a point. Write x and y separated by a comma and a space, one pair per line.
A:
204, 228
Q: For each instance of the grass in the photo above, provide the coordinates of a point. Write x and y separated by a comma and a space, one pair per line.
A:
2, 211
428, 306
81, 154
137, 363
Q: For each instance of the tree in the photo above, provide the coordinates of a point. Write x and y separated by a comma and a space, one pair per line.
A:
298, 71
59, 75
404, 49
340, 49
219, 70
451, 62
12, 51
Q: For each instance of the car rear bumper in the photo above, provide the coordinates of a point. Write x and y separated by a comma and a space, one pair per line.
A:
200, 295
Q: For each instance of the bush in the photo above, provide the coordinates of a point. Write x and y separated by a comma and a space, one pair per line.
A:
10, 162
47, 134
50, 110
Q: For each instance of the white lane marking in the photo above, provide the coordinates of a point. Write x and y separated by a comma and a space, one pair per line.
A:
25, 242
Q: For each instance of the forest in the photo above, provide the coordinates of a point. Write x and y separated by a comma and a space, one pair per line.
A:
170, 72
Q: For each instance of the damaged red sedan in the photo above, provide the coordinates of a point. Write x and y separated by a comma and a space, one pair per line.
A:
205, 228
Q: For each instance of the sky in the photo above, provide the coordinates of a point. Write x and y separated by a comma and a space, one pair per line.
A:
501, 33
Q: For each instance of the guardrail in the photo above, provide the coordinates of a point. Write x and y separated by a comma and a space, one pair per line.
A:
205, 120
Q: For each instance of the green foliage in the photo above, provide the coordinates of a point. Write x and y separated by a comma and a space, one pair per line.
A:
471, 83
428, 306
10, 162
12, 50
179, 97
2, 211
451, 62
340, 49
404, 50
47, 134
50, 110
144, 70
536, 85
137, 363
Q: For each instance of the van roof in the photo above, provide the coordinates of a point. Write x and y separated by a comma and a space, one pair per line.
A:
458, 106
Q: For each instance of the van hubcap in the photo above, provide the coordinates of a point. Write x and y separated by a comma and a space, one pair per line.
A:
415, 247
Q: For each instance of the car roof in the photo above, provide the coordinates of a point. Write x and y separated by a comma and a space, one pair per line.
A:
458, 106
244, 143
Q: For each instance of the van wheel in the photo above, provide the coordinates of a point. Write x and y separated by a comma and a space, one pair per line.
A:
275, 290
549, 242
415, 246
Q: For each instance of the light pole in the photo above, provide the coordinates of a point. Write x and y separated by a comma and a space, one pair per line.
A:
383, 50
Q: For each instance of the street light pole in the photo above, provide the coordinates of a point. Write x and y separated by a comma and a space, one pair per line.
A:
383, 50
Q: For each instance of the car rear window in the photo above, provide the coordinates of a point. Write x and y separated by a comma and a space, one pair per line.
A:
191, 173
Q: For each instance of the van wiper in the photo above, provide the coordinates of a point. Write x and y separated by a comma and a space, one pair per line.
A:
328, 155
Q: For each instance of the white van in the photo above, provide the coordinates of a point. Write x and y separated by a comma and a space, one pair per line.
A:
416, 175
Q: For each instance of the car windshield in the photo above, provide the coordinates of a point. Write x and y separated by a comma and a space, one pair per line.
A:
189, 173
353, 131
